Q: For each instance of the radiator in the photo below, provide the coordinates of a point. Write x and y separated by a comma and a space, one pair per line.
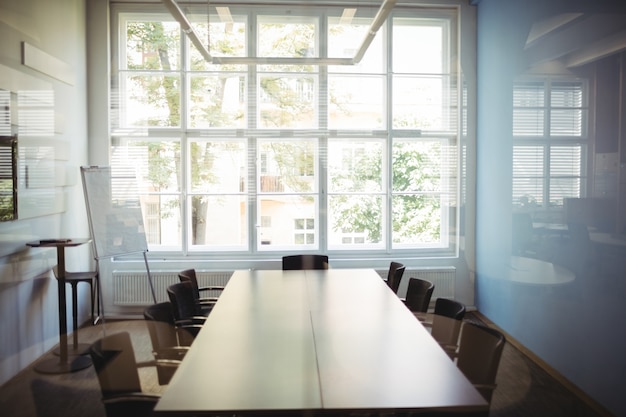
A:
131, 288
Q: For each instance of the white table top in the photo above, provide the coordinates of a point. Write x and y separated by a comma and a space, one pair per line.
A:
532, 271
334, 340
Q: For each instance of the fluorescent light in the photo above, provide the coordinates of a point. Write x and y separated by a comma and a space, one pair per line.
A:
378, 21
224, 14
347, 16
187, 28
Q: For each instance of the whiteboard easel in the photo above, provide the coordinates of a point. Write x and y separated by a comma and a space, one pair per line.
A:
116, 224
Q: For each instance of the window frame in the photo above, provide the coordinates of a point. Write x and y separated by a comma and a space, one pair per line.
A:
449, 247
547, 141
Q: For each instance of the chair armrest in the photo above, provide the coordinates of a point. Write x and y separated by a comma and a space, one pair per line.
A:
194, 320
187, 333
207, 301
212, 288
174, 353
130, 403
485, 387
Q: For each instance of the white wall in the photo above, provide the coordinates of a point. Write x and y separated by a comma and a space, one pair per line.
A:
28, 292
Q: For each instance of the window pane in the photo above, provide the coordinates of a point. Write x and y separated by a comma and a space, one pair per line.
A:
220, 222
417, 180
565, 173
227, 39
218, 101
567, 113
150, 169
290, 217
355, 166
344, 41
567, 94
152, 45
416, 220
153, 164
162, 221
528, 122
424, 39
528, 175
565, 161
356, 102
418, 166
564, 122
291, 37
423, 103
287, 101
149, 100
561, 188
290, 166
355, 220
528, 109
218, 166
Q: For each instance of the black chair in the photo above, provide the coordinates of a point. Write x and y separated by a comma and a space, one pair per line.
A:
205, 303
114, 361
300, 262
394, 276
450, 308
445, 323
184, 307
418, 294
478, 356
169, 342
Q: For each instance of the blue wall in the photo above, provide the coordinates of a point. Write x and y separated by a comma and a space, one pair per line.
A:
577, 328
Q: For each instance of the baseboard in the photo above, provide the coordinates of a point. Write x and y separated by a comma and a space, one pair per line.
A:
573, 388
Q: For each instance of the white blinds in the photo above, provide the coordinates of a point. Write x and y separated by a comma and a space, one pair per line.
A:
549, 133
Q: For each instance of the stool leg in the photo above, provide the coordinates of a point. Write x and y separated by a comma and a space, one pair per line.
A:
75, 312
92, 292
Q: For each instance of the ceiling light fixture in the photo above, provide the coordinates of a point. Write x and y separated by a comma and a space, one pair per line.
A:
379, 20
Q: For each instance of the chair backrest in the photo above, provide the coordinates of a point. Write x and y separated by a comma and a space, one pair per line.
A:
446, 323
189, 275
394, 276
160, 322
114, 361
299, 262
418, 294
449, 308
183, 300
480, 349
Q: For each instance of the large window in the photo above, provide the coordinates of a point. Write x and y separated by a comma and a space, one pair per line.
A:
550, 142
265, 155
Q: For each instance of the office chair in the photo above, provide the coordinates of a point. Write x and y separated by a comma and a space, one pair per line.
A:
418, 294
114, 361
205, 303
299, 262
445, 323
184, 307
394, 276
169, 342
478, 356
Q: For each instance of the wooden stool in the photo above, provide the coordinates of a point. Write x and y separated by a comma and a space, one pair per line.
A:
74, 278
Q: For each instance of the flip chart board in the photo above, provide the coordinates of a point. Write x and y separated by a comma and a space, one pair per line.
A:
115, 216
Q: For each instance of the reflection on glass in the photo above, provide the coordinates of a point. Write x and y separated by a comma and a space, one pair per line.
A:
8, 186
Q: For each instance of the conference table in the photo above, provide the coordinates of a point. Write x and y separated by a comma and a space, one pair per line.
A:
315, 342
